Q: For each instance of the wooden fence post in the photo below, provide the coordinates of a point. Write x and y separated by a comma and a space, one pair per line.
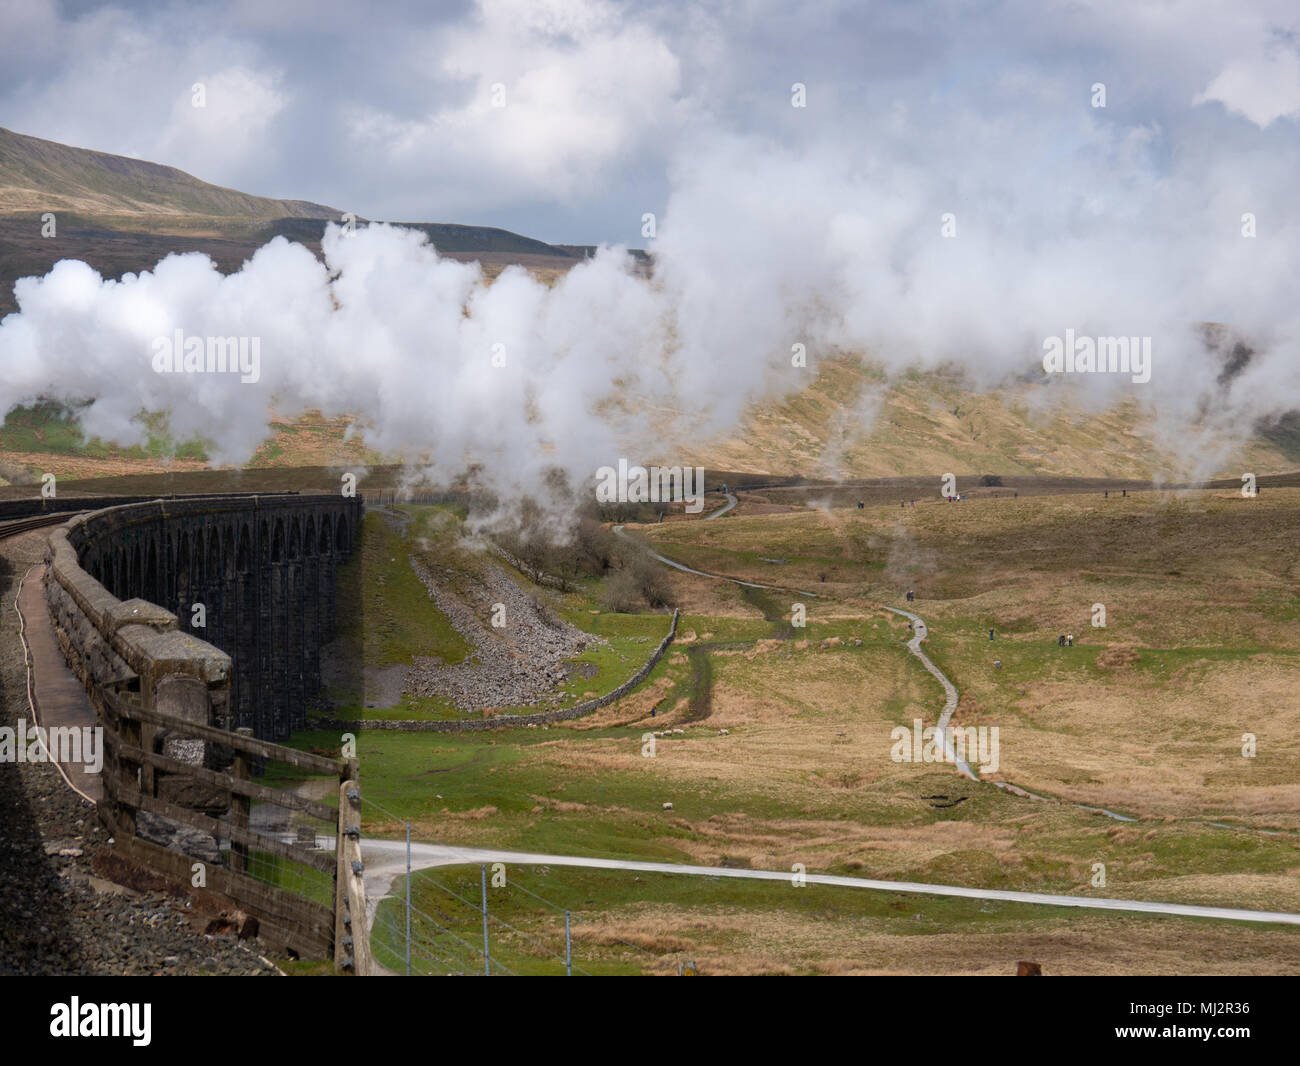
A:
129, 732
306, 925
240, 806
148, 784
351, 937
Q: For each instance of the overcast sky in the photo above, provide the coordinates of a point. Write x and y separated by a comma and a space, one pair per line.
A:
386, 109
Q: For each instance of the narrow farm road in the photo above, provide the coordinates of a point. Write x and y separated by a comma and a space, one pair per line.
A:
731, 502
386, 862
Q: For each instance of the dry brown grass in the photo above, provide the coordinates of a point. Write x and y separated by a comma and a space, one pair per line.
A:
1173, 751
634, 707
931, 422
786, 941
1174, 571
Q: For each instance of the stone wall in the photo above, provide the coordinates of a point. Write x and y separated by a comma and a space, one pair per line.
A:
107, 640
504, 721
262, 567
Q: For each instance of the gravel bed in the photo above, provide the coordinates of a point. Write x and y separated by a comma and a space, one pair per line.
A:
56, 915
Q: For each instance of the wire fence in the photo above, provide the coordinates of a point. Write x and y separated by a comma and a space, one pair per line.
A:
449, 932
302, 829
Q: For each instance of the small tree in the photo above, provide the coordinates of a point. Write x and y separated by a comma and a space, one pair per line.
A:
652, 581
621, 593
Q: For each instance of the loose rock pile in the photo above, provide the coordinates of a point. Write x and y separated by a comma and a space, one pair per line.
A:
519, 664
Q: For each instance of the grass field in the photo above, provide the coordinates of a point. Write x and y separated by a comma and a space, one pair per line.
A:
45, 438
1144, 716
625, 923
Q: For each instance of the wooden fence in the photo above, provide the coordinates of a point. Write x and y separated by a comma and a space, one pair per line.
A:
132, 773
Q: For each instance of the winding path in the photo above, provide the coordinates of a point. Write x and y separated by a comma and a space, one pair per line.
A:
731, 502
950, 690
945, 717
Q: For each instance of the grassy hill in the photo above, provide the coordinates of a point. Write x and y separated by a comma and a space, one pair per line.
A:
848, 422
38, 175
123, 215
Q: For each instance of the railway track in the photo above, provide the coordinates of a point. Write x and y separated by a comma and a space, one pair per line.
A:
22, 525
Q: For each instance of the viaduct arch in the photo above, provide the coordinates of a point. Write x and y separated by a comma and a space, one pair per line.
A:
263, 568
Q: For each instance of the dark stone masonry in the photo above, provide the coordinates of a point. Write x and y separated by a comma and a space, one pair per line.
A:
262, 567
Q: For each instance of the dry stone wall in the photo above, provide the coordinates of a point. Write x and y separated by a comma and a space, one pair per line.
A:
503, 721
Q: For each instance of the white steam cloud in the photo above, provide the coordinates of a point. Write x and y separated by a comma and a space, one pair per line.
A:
1079, 223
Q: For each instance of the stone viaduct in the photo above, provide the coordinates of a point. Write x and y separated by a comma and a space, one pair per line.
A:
123, 583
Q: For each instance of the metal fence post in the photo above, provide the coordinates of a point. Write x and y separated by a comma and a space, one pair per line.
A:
408, 899
487, 962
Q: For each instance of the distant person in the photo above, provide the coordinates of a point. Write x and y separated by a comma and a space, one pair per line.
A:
1015, 495
1106, 495
1124, 493
1069, 641
910, 595
1060, 641
913, 503
990, 634
859, 505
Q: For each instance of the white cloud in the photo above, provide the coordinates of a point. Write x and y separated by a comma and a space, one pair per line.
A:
1262, 89
239, 106
583, 90
122, 84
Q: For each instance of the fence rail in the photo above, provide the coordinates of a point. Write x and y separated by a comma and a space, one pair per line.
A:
303, 760
133, 781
